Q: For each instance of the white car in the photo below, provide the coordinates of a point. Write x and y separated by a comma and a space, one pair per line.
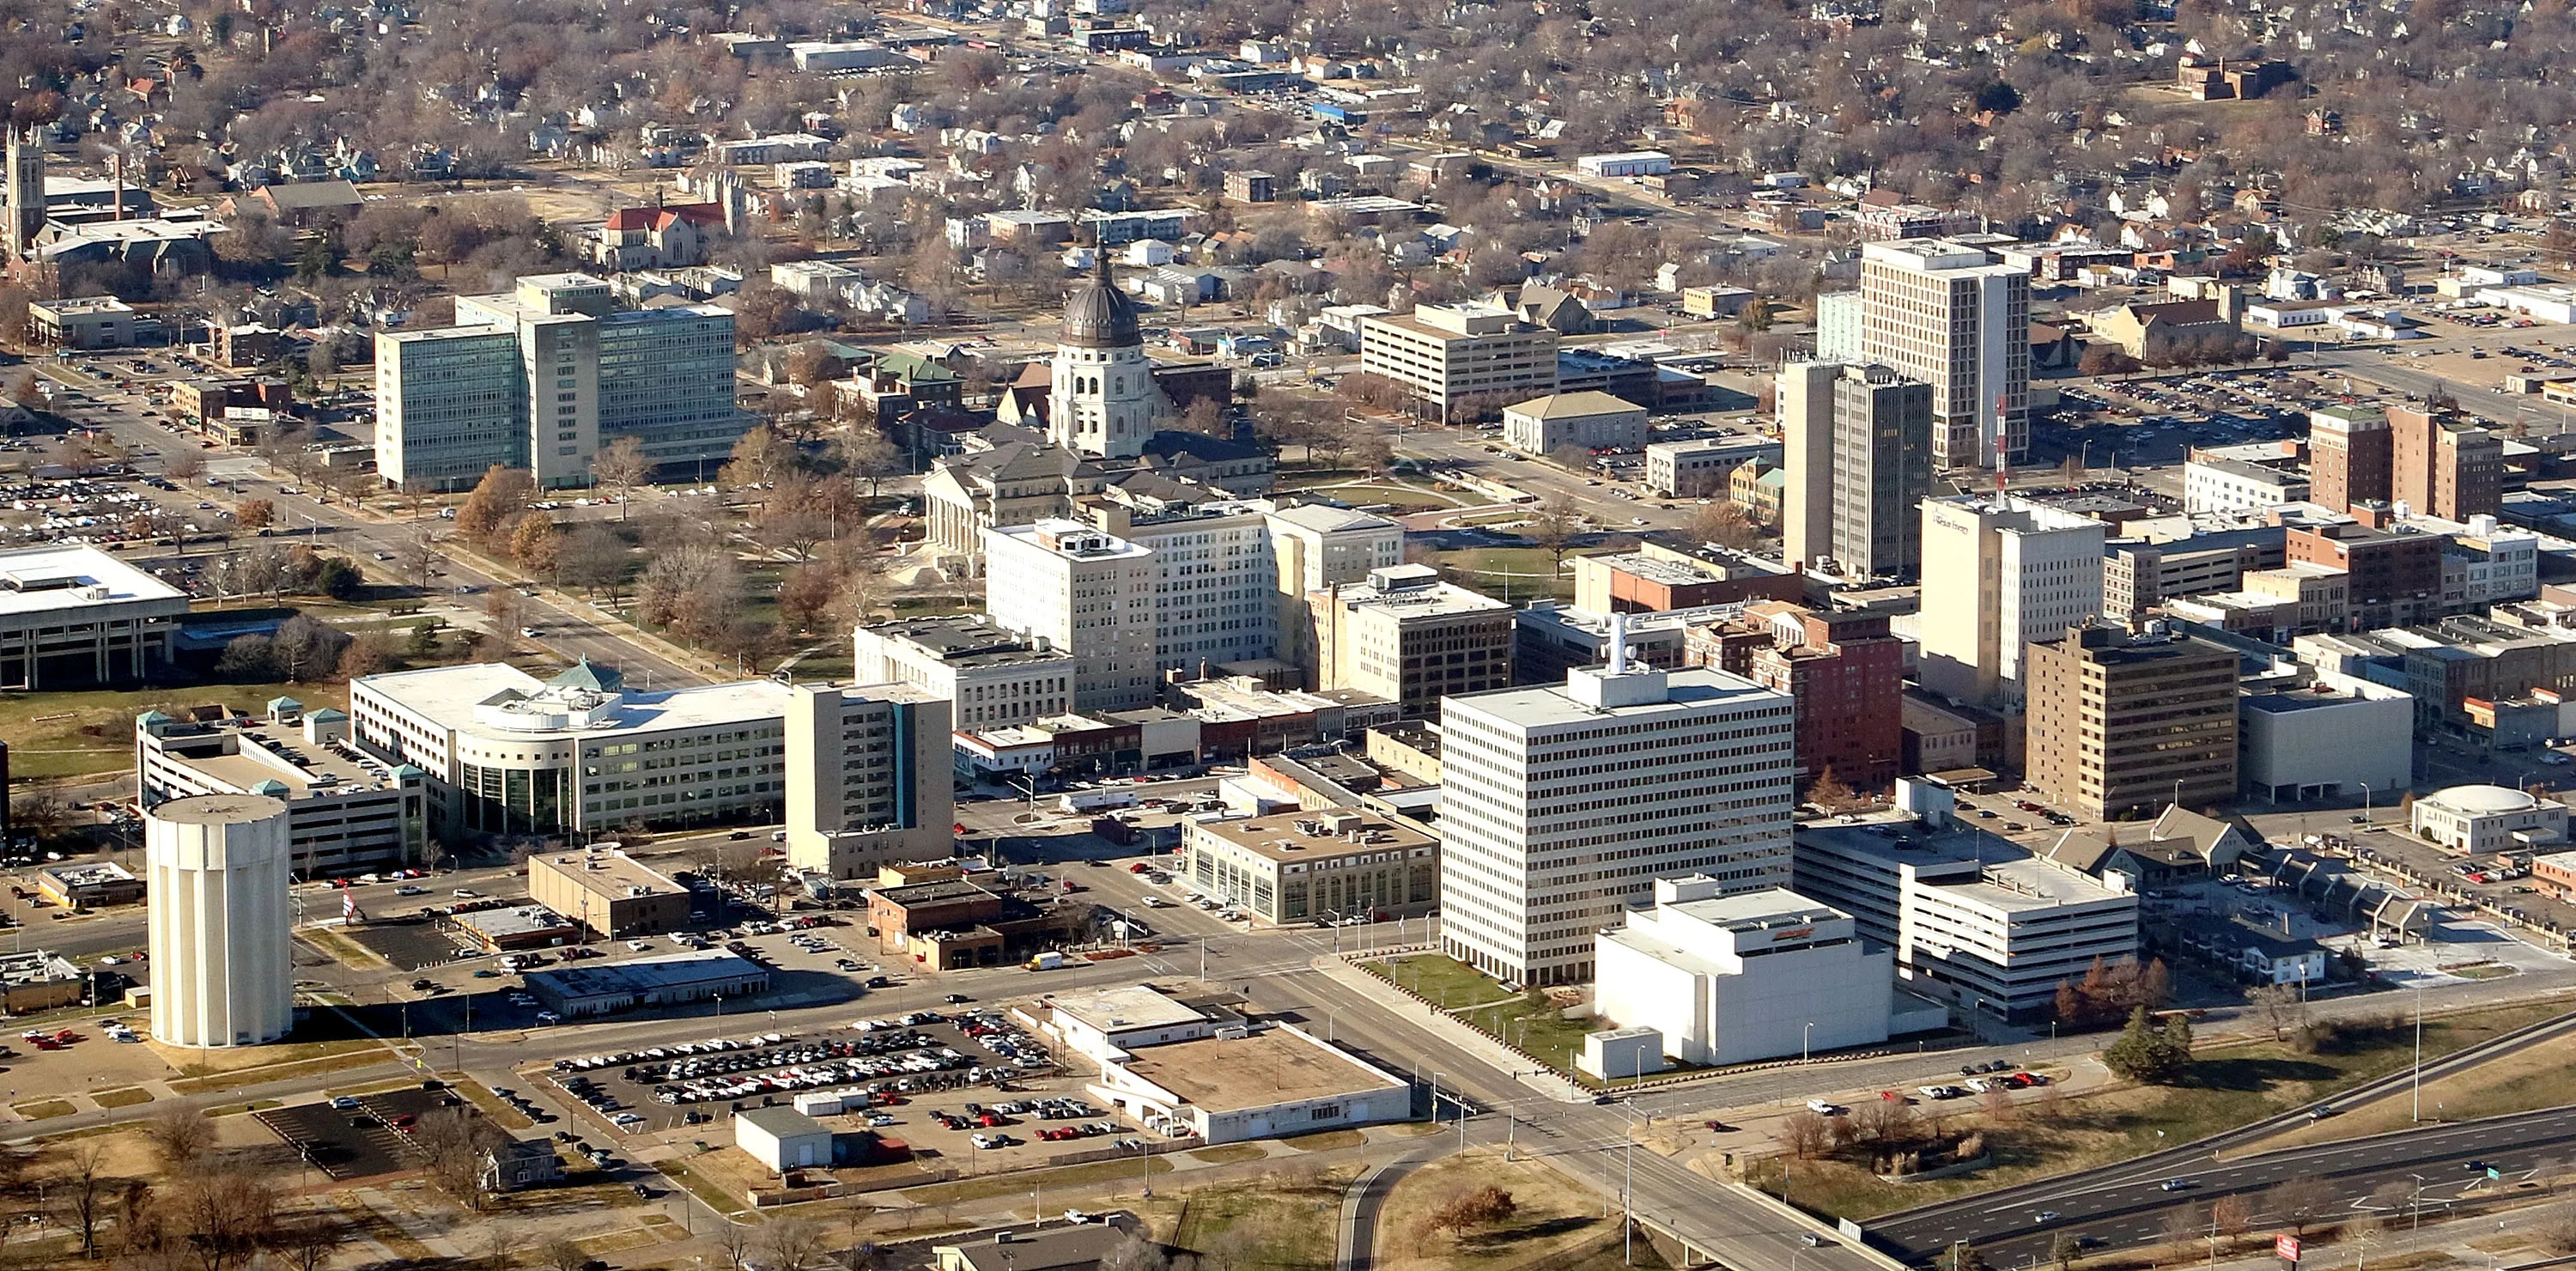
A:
639, 945
1823, 1108
549, 1017
626, 1118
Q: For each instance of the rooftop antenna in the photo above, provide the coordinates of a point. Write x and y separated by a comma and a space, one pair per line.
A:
1618, 643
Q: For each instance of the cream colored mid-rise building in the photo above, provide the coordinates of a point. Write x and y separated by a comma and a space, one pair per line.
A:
1949, 315
1997, 575
1445, 354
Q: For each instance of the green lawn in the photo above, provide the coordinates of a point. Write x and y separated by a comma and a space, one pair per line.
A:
1509, 573
1529, 1024
75, 733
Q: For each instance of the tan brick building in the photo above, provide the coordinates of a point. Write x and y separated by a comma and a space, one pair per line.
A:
608, 893
2131, 724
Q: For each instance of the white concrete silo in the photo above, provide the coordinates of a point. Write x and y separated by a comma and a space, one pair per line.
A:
222, 974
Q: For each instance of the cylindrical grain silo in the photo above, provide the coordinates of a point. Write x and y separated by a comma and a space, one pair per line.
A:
221, 971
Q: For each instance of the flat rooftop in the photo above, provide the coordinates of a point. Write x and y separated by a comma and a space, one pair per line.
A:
449, 694
1112, 1010
646, 975
50, 579
967, 640
1757, 910
1656, 568
1548, 705
36, 966
1265, 1068
613, 875
281, 754
518, 920
88, 875
1300, 836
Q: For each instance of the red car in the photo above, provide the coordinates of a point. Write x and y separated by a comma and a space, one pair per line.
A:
1137, 868
67, 1037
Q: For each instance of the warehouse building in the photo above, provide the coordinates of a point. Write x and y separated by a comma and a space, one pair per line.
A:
576, 992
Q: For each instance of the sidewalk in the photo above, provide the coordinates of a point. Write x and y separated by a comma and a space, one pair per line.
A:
1502, 1058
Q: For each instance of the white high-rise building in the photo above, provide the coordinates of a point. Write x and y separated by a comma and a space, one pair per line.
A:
1998, 574
1562, 804
1089, 593
1186, 589
1950, 316
217, 875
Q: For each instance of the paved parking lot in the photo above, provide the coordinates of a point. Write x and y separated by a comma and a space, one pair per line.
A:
908, 1056
365, 1137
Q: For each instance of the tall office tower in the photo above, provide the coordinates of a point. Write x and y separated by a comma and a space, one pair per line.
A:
2348, 456
542, 376
1998, 574
1803, 399
1856, 447
2443, 464
868, 777
1103, 401
1092, 594
1946, 314
24, 191
2122, 725
1562, 804
217, 874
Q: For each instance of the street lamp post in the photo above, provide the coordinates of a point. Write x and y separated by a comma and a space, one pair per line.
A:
1803, 1035
2418, 1116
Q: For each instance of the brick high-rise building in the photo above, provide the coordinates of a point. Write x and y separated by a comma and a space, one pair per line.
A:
2443, 465
2348, 456
2396, 574
2121, 725
1847, 675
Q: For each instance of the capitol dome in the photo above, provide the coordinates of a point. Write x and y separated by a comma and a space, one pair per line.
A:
1098, 315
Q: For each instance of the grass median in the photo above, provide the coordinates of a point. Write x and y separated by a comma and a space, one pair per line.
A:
2041, 1135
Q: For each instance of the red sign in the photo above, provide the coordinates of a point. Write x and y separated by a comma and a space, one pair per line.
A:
1794, 933
2287, 1247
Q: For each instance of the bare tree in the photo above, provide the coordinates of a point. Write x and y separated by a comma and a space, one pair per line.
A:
2299, 1201
1554, 527
82, 1191
1805, 1134
2231, 1215
180, 1135
2281, 1006
308, 1245
733, 1242
1134, 1254
562, 1255
622, 465
455, 1144
592, 559
792, 1244
227, 1218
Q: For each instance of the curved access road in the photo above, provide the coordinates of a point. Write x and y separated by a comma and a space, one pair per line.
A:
1361, 1205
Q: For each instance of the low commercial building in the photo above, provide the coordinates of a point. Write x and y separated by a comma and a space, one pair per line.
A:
1251, 1083
1297, 866
510, 928
75, 616
783, 1139
1585, 421
2481, 819
611, 895
1699, 469
2223, 486
952, 925
40, 981
576, 992
1629, 163
1656, 579
89, 886
1076, 1247
86, 322
347, 811
1757, 975
2327, 741
1109, 1024
1975, 920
